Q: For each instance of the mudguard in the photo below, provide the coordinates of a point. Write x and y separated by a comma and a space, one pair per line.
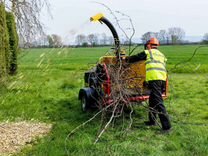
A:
90, 94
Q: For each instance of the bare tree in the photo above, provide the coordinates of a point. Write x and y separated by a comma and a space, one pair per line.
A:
57, 40
147, 36
163, 36
205, 36
80, 39
176, 34
27, 13
54, 40
104, 39
50, 40
92, 39
110, 40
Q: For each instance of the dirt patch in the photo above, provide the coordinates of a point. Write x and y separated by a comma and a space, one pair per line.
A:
14, 136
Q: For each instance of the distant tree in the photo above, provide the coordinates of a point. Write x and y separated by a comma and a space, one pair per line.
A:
84, 44
92, 39
156, 35
124, 41
104, 39
147, 36
54, 40
176, 34
50, 40
57, 40
205, 38
80, 39
163, 37
110, 40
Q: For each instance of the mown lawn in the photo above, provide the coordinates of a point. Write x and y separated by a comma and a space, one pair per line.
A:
46, 87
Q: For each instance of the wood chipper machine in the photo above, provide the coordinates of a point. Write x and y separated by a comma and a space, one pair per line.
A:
101, 85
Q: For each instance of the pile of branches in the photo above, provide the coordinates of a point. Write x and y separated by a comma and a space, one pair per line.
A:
118, 100
114, 105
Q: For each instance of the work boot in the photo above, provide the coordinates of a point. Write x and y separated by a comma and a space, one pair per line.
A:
148, 123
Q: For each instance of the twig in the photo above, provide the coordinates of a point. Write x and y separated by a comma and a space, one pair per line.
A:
104, 129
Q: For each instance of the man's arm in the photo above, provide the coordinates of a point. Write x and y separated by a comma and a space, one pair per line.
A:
136, 58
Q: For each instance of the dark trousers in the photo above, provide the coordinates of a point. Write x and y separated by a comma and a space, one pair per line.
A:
156, 105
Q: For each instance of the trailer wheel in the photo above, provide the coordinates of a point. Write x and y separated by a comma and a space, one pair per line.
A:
84, 103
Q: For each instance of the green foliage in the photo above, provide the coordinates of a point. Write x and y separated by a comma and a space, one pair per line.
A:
205, 41
47, 87
4, 43
85, 44
50, 41
8, 43
13, 42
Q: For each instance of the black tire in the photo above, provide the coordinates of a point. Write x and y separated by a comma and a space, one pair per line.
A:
84, 103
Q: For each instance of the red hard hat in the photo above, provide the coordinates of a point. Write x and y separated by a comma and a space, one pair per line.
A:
153, 41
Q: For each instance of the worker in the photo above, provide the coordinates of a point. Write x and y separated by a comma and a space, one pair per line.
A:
156, 76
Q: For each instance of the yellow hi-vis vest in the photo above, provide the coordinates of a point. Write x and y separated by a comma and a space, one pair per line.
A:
155, 65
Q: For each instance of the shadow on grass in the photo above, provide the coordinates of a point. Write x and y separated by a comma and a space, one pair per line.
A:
65, 110
69, 110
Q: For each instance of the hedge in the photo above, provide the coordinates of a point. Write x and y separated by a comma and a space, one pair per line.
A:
13, 42
4, 43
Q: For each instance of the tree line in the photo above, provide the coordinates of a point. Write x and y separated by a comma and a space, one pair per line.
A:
171, 36
56, 41
174, 35
93, 40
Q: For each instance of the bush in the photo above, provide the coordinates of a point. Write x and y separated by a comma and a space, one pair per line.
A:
13, 42
4, 43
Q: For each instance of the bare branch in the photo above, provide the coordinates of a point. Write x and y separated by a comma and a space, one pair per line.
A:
28, 13
117, 20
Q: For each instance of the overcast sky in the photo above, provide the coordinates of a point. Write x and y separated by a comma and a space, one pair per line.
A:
71, 17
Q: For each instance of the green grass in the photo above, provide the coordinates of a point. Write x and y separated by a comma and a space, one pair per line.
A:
48, 91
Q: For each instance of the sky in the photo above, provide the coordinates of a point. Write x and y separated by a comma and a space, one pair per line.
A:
71, 17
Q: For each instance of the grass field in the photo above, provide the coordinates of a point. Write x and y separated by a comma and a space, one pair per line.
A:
46, 87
